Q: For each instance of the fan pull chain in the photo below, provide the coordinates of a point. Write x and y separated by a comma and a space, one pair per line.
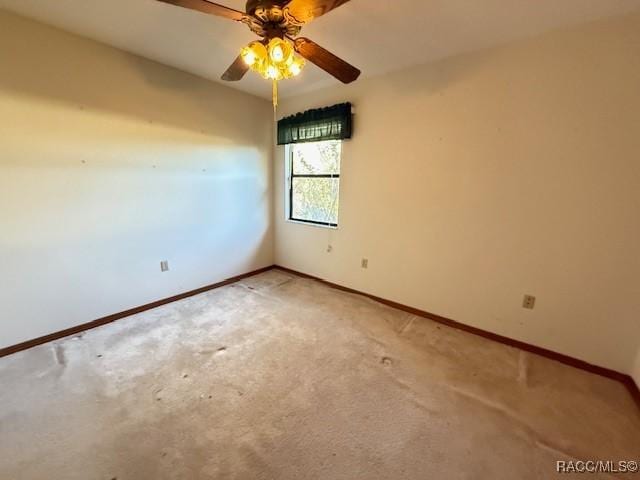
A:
275, 96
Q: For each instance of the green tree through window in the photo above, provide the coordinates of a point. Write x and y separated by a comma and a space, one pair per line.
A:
315, 182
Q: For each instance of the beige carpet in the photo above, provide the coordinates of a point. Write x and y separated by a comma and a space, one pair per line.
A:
278, 377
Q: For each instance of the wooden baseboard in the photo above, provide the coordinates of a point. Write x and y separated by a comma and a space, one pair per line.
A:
625, 379
117, 316
559, 357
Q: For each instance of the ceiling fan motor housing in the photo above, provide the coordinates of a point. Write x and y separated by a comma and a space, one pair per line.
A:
252, 5
268, 19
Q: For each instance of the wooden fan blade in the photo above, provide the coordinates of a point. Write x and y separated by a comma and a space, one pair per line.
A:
208, 7
326, 60
303, 11
236, 71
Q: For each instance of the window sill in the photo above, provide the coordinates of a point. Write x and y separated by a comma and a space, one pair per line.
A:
306, 224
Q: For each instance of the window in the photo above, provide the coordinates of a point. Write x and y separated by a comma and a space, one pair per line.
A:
313, 174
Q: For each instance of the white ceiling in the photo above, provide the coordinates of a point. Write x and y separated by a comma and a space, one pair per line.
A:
377, 36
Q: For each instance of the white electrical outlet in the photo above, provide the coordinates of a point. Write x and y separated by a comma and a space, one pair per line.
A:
529, 302
164, 265
364, 263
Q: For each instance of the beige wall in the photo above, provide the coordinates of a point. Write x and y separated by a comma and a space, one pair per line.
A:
109, 164
475, 180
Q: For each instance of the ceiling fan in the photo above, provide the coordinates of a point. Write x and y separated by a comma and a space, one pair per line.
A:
278, 24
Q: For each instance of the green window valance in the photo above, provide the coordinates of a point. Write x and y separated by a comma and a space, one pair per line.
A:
329, 123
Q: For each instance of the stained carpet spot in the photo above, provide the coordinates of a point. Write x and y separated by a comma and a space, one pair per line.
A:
221, 350
386, 361
156, 394
523, 369
58, 351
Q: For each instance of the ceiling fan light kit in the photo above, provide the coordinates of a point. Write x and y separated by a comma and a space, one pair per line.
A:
279, 55
276, 61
